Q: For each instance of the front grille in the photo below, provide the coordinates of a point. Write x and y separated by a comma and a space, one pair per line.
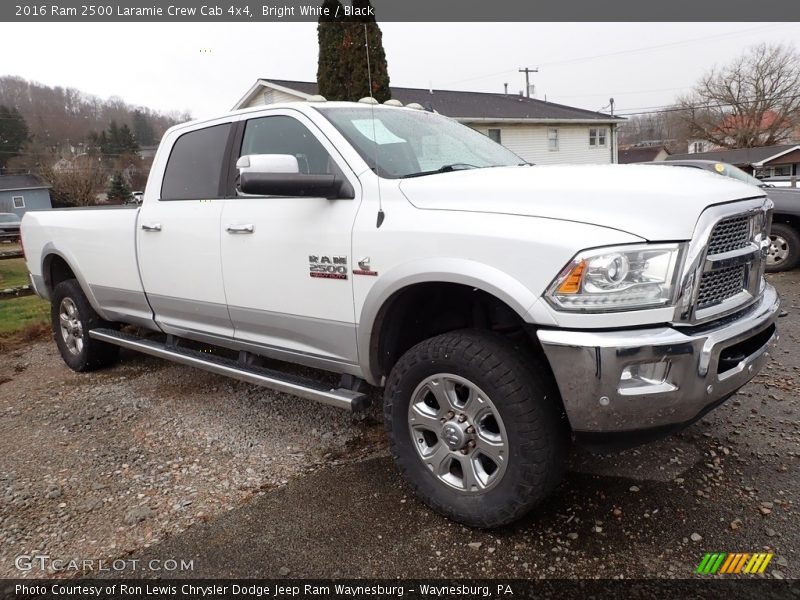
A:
717, 286
729, 234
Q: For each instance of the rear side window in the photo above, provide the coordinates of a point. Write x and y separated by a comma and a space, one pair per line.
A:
195, 165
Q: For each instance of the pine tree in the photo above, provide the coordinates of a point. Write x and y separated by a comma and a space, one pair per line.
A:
126, 143
14, 134
143, 129
329, 33
343, 73
118, 189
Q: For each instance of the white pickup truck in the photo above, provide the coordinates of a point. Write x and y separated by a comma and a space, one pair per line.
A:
506, 309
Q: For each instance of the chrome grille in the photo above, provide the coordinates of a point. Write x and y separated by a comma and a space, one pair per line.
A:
730, 234
717, 286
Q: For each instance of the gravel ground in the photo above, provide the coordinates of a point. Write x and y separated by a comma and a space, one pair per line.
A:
98, 465
154, 460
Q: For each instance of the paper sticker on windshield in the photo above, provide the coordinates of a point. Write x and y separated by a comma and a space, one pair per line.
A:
376, 131
719, 167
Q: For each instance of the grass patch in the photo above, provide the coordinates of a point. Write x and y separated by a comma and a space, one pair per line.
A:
13, 273
23, 320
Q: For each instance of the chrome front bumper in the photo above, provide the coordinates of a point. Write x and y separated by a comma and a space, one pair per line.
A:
640, 379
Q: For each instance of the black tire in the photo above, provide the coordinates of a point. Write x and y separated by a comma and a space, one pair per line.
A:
521, 390
785, 248
90, 354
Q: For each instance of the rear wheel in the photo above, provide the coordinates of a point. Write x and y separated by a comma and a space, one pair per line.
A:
784, 248
475, 427
72, 318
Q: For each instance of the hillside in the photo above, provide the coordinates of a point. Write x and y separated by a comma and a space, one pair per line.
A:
61, 119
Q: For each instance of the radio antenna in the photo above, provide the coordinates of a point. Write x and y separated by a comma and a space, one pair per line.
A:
381, 214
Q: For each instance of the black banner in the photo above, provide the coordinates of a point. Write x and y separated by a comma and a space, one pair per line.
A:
399, 10
664, 589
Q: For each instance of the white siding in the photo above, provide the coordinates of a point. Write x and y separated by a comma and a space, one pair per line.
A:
530, 142
270, 96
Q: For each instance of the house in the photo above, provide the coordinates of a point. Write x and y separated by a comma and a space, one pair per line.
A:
639, 154
768, 161
540, 132
21, 193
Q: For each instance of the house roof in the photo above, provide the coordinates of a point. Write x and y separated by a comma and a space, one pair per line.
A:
739, 156
640, 154
465, 106
21, 182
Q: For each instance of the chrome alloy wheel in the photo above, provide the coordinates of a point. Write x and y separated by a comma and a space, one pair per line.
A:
458, 433
70, 325
778, 250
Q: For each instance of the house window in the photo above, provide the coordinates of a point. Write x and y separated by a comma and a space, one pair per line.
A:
19, 202
552, 140
597, 137
494, 135
698, 147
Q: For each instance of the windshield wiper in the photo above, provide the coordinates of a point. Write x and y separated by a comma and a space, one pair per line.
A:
444, 169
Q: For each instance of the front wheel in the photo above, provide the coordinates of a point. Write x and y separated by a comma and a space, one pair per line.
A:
784, 248
72, 318
475, 426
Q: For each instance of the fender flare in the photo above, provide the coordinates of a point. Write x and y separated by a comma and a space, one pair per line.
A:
467, 272
49, 250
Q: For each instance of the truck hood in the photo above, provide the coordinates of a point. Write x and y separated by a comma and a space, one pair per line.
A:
655, 204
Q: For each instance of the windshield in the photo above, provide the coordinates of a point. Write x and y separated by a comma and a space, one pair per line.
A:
736, 173
407, 143
9, 218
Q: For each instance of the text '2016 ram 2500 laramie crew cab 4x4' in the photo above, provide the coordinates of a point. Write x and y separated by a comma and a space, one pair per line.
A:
506, 308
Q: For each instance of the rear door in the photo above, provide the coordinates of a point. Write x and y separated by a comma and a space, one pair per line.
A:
287, 261
179, 233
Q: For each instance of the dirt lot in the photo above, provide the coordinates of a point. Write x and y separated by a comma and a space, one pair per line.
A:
153, 460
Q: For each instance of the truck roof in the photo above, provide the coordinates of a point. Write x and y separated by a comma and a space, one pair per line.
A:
304, 107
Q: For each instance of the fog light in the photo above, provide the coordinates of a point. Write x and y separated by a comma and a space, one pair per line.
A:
645, 378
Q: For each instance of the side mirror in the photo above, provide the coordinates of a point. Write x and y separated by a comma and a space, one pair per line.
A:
279, 175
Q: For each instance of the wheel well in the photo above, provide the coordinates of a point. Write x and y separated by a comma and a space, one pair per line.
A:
424, 310
791, 220
55, 270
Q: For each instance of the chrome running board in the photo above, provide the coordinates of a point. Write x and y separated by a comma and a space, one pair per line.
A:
274, 380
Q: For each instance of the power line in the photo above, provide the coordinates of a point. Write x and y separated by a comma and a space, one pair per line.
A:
646, 110
630, 51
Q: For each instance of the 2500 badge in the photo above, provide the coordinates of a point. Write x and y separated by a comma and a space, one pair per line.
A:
327, 267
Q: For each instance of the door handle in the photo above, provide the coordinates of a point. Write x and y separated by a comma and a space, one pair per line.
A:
239, 229
151, 227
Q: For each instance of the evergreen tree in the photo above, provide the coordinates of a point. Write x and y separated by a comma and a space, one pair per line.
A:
126, 142
342, 72
118, 189
117, 140
143, 129
329, 32
13, 134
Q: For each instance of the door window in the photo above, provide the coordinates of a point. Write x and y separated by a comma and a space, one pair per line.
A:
285, 135
196, 164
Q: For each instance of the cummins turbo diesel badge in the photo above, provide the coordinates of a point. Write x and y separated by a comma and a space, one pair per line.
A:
327, 267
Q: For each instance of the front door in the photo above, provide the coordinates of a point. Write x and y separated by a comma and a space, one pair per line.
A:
178, 237
286, 261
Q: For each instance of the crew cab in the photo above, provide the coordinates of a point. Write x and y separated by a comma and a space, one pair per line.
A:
506, 309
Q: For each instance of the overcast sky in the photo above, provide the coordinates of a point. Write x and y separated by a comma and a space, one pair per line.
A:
205, 68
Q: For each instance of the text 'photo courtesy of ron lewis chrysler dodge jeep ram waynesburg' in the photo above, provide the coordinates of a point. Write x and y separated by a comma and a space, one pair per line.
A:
507, 309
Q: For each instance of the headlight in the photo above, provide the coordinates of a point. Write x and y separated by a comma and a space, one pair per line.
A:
618, 278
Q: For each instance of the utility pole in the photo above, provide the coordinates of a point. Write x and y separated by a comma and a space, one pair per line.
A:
528, 72
613, 130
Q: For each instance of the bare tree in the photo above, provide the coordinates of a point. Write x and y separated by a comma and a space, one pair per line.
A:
77, 184
753, 101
